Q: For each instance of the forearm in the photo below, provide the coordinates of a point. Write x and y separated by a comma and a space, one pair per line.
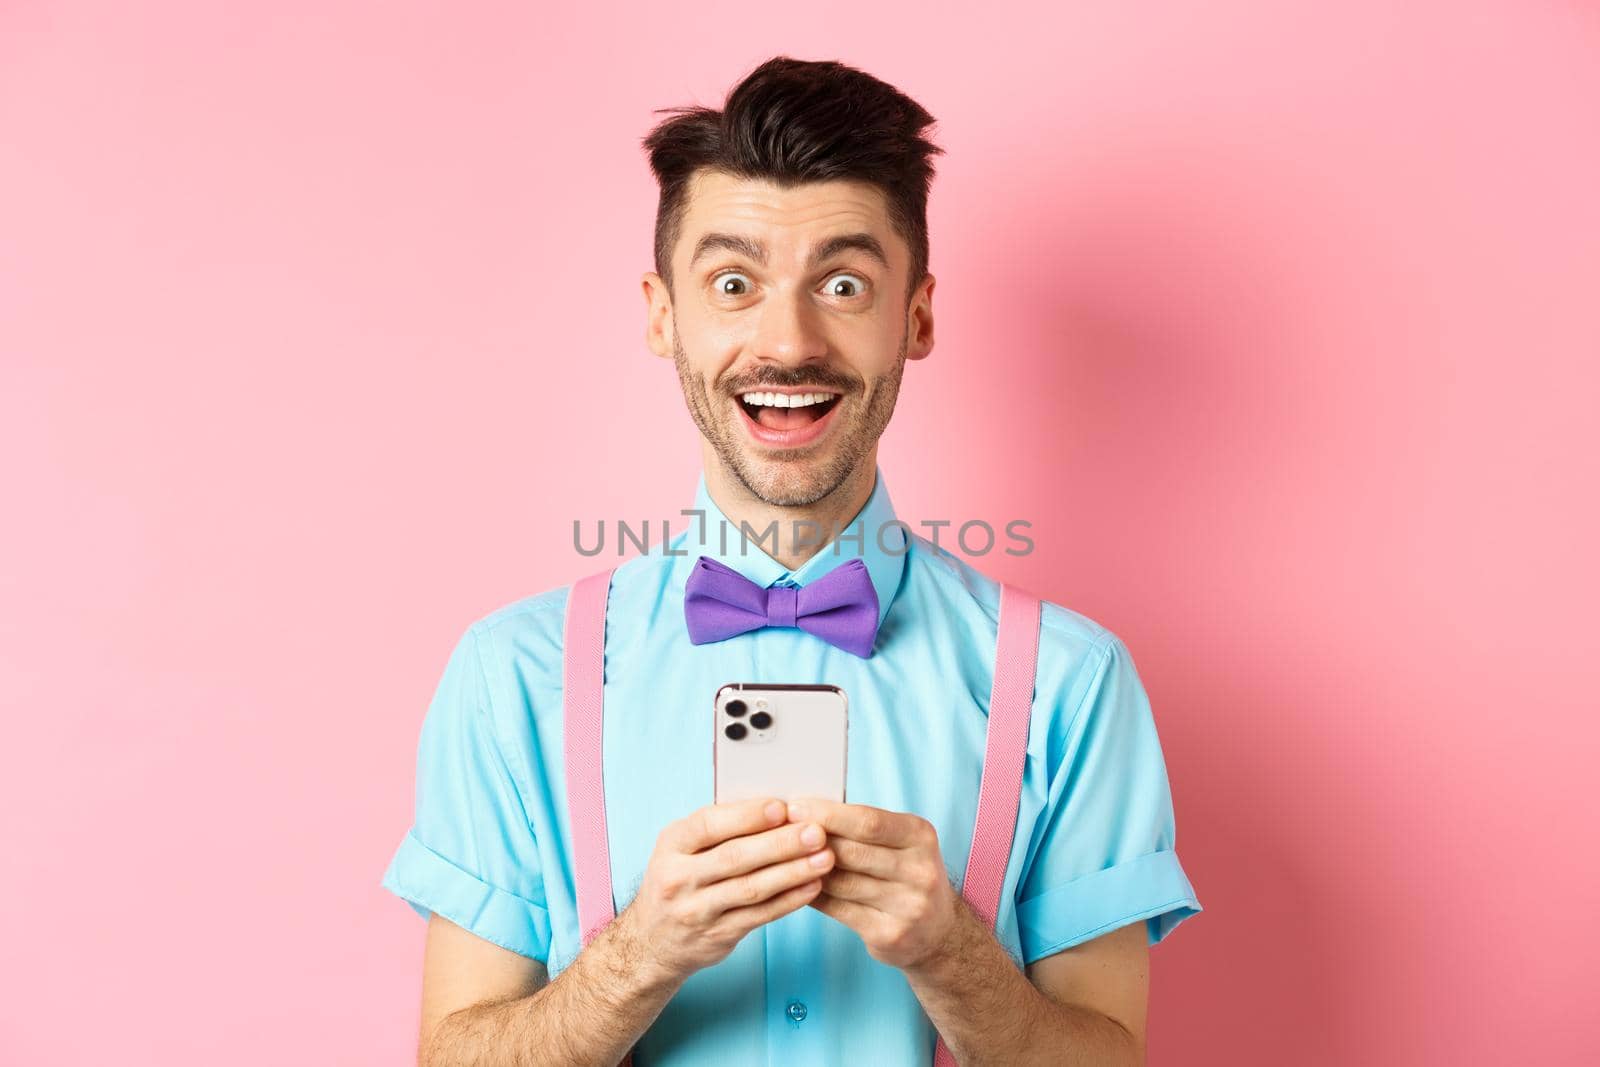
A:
991, 1015
590, 1015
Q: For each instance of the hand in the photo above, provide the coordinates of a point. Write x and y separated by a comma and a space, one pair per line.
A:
890, 884
717, 874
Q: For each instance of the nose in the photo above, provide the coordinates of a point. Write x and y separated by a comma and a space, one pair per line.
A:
788, 331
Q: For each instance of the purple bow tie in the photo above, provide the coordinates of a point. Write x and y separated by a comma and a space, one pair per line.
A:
841, 607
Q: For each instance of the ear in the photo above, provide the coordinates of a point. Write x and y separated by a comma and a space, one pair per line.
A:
919, 320
658, 324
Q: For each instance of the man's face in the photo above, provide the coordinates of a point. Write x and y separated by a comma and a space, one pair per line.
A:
799, 292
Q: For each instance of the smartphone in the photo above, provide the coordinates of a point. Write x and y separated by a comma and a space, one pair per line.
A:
782, 741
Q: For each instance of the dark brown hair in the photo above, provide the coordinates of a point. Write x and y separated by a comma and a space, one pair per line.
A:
792, 121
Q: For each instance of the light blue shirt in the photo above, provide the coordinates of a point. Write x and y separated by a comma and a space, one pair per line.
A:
491, 845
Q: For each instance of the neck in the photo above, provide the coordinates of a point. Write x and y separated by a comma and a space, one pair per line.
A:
802, 531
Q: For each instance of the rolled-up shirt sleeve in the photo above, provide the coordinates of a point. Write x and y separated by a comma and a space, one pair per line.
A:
470, 854
1107, 856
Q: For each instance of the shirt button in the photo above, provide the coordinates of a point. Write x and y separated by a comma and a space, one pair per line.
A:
797, 1011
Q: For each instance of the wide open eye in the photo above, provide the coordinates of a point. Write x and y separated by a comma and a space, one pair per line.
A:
730, 283
846, 286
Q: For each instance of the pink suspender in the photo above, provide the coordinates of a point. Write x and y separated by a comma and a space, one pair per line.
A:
583, 674
583, 643
1005, 752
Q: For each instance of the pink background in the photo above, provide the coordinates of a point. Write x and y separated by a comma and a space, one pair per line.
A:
320, 324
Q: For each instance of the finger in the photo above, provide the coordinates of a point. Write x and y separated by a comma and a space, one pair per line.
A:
861, 889
741, 855
876, 860
748, 918
861, 822
715, 823
858, 917
747, 889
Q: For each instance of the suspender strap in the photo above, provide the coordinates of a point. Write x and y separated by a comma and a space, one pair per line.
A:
1005, 754
583, 643
582, 681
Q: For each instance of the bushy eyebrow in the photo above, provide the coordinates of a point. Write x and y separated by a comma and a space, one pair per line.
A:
755, 250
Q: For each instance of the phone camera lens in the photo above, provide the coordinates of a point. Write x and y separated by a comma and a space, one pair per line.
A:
735, 731
761, 720
736, 708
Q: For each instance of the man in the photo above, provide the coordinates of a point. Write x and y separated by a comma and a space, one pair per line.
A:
791, 285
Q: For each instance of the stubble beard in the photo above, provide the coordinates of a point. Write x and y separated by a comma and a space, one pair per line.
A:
804, 478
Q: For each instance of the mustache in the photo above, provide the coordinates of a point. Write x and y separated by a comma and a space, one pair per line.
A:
795, 379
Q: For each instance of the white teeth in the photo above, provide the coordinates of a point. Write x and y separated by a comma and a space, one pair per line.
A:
785, 400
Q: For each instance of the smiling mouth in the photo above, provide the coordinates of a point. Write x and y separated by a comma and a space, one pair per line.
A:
787, 411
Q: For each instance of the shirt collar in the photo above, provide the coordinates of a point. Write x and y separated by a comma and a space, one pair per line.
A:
873, 534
